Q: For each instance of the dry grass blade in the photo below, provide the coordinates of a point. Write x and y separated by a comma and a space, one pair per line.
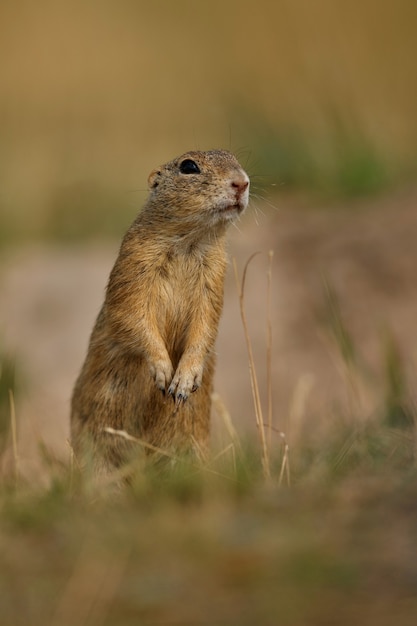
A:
298, 404
227, 421
230, 447
145, 444
252, 369
173, 457
73, 463
269, 347
285, 466
14, 436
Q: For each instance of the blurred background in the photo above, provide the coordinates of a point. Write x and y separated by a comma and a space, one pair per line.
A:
317, 99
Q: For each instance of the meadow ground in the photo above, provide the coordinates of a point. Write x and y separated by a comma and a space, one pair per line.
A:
329, 538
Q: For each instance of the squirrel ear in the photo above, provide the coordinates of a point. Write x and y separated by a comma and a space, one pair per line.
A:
153, 181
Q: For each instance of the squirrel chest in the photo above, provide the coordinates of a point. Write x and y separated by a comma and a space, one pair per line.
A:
184, 281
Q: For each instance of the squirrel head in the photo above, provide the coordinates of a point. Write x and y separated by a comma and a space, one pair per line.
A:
199, 186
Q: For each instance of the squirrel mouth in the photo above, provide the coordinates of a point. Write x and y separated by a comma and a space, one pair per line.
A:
237, 207
230, 211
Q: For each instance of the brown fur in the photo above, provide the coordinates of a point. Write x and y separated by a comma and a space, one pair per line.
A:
152, 344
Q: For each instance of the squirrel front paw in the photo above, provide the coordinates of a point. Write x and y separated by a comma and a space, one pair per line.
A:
186, 380
162, 372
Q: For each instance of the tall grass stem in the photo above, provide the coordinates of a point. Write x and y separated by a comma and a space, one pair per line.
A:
252, 368
14, 436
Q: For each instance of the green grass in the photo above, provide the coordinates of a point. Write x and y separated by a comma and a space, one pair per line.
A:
195, 547
86, 209
336, 163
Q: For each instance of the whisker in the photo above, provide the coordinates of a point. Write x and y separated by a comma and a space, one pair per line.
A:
257, 211
266, 201
234, 224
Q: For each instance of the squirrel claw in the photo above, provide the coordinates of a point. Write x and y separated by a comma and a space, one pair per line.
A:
185, 381
180, 397
177, 396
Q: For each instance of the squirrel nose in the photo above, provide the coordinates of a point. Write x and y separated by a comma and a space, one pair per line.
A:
240, 185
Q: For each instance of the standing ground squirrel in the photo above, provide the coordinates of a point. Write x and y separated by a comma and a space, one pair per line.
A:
152, 346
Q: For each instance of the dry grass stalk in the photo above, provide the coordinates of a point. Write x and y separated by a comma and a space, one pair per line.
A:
173, 457
252, 369
73, 461
269, 346
232, 449
14, 436
345, 355
285, 465
201, 454
145, 444
298, 405
227, 421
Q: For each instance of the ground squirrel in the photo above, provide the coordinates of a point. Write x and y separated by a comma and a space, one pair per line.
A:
150, 362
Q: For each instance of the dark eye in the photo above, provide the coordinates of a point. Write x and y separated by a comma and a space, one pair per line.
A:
188, 166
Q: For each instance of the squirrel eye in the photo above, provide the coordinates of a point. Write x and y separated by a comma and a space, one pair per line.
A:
188, 166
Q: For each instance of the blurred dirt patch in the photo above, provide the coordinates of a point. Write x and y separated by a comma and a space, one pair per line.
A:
49, 297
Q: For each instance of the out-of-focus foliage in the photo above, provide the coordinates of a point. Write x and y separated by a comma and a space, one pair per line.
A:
93, 95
